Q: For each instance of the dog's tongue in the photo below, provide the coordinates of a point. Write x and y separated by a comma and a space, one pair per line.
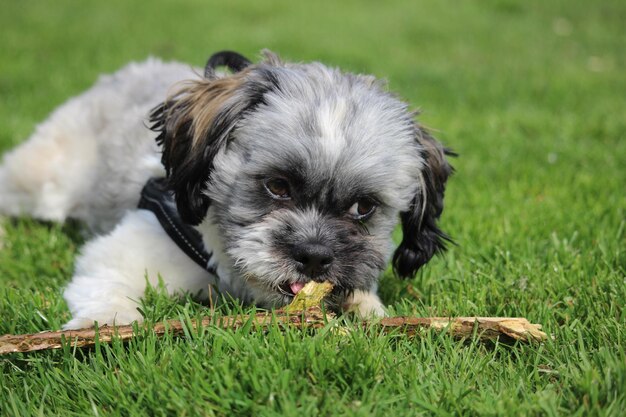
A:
296, 287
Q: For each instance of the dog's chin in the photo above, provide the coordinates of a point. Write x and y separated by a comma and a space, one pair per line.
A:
267, 293
275, 292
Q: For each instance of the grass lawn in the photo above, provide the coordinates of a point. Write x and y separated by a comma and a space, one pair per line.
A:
531, 94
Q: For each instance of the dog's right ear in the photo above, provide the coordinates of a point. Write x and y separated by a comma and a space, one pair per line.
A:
197, 121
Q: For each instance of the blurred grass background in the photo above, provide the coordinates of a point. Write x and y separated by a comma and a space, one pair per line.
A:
533, 97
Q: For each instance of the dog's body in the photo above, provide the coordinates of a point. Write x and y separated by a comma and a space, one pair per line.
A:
289, 172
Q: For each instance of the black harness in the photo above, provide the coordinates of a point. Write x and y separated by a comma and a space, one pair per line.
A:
156, 198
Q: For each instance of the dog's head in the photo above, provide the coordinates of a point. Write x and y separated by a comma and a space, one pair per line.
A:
305, 169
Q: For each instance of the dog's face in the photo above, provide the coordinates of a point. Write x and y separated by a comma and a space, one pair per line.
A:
306, 170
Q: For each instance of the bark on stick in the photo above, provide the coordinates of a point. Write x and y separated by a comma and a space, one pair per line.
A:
303, 313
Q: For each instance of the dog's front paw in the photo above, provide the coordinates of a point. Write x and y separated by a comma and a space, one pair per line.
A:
89, 320
365, 304
78, 323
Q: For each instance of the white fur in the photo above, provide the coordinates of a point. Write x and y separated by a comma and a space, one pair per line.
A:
365, 304
90, 159
332, 140
92, 156
112, 271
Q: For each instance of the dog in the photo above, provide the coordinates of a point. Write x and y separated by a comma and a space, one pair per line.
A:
281, 172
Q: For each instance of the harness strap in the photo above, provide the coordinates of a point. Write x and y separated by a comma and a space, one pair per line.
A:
160, 201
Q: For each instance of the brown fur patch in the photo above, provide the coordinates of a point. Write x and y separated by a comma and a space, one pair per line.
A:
199, 102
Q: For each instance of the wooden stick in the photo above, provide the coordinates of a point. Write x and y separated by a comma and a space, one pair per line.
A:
508, 329
304, 312
486, 328
104, 334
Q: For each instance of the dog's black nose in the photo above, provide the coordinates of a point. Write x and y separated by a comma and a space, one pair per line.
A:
313, 259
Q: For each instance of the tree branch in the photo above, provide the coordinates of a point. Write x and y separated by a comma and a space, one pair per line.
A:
303, 313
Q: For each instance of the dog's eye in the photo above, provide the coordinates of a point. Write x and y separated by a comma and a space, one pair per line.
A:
278, 188
362, 209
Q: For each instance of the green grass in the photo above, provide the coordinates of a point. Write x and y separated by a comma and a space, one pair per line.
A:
533, 97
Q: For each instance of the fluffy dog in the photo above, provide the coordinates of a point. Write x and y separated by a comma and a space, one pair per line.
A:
287, 172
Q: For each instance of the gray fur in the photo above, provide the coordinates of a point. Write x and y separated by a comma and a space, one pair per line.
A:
341, 141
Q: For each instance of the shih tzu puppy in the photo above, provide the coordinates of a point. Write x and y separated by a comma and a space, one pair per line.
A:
255, 180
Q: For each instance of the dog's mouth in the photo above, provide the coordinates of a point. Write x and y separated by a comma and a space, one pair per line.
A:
291, 288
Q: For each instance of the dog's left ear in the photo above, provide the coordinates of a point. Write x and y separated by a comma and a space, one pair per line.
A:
421, 236
197, 121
